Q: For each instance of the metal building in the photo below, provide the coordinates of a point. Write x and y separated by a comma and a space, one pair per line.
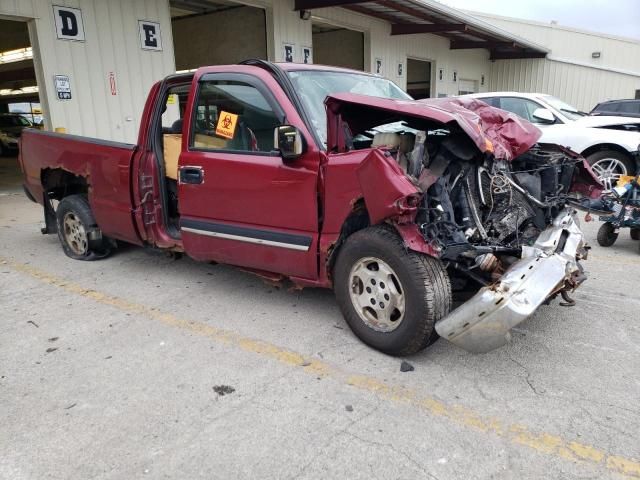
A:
90, 63
582, 68
85, 66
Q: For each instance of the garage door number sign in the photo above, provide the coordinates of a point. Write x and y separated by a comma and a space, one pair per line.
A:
69, 24
150, 38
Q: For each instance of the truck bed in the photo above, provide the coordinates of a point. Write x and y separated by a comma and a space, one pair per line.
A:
104, 165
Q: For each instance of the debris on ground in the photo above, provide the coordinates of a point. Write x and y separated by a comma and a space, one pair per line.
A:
406, 367
223, 390
348, 408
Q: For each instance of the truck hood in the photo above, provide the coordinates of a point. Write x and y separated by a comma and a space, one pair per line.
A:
492, 130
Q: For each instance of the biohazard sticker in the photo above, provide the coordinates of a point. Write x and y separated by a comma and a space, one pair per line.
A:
226, 126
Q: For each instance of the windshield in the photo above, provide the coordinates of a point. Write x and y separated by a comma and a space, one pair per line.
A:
314, 86
572, 113
14, 121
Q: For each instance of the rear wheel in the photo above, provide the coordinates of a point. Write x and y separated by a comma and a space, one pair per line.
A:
391, 297
609, 165
78, 232
607, 235
635, 234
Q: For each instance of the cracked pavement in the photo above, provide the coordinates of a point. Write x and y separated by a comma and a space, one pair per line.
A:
107, 371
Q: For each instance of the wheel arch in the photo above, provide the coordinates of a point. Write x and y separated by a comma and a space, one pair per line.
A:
600, 147
358, 219
58, 183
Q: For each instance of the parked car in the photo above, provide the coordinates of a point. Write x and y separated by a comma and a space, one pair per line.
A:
612, 151
11, 126
338, 179
623, 108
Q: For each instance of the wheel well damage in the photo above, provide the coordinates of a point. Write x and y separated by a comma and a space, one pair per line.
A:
58, 183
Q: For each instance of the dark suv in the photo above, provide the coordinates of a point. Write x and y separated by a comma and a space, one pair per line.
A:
618, 108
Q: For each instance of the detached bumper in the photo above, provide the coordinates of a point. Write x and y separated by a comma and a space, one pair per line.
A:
483, 323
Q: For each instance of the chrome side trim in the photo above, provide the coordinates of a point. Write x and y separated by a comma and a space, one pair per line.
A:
240, 238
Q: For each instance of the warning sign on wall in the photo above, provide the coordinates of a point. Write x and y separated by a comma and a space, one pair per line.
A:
112, 83
226, 126
63, 86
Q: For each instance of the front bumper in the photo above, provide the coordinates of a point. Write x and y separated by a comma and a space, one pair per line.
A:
483, 323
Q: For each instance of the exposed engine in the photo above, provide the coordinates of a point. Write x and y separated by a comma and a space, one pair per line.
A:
479, 212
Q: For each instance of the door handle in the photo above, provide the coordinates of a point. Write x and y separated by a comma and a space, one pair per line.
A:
192, 175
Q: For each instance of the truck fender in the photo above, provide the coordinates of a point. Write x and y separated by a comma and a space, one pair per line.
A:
388, 193
414, 240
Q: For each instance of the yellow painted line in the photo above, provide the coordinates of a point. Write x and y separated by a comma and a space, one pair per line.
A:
516, 434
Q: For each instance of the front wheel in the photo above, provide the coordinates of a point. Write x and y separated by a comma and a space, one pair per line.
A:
78, 232
390, 297
607, 235
635, 234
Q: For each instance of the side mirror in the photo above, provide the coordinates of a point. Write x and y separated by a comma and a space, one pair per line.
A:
543, 115
289, 141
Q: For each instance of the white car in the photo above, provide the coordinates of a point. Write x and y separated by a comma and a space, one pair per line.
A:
610, 144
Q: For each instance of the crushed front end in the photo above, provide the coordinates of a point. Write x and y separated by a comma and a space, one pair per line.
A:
489, 201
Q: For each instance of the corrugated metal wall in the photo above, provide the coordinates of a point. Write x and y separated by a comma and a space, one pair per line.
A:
575, 45
112, 45
582, 87
570, 72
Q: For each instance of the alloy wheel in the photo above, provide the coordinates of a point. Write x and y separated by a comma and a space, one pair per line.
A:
609, 170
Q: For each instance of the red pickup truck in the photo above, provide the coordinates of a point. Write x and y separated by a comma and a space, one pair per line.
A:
332, 178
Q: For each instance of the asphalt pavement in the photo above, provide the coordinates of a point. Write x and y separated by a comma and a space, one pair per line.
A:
140, 366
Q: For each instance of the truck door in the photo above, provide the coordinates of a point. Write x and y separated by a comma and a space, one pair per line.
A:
239, 203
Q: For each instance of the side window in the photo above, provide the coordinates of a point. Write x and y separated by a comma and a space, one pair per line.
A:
233, 115
517, 106
629, 107
610, 107
522, 107
493, 101
173, 112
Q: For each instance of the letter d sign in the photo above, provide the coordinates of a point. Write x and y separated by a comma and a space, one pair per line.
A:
69, 25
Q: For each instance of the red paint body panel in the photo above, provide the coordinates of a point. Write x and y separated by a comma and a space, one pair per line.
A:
309, 198
104, 165
395, 197
256, 191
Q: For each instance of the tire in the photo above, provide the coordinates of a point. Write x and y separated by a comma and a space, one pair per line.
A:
607, 235
635, 234
608, 165
78, 232
418, 282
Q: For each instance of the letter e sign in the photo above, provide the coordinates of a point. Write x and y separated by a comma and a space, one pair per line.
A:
150, 38
69, 25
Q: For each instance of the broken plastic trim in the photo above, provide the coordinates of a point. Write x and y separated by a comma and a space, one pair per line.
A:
484, 322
